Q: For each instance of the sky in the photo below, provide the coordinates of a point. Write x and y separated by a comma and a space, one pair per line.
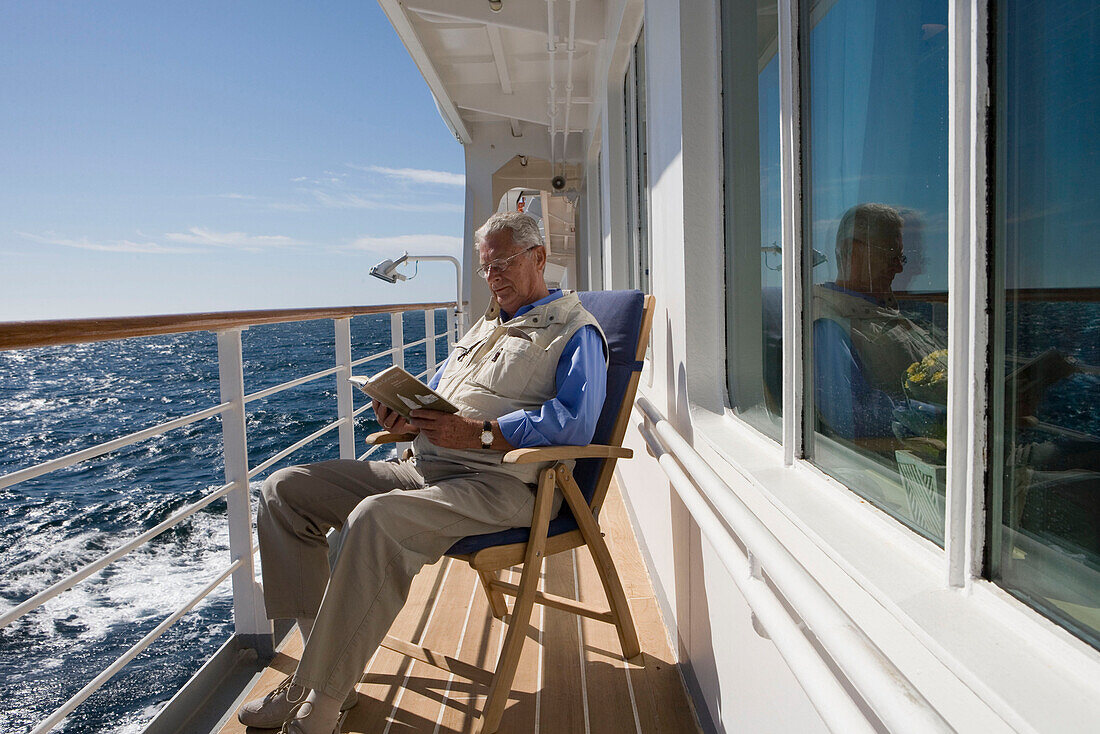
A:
200, 156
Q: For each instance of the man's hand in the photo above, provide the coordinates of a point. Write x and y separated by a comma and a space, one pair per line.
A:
448, 430
391, 420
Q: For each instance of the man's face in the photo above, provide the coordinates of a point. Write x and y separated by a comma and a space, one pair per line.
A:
878, 263
521, 282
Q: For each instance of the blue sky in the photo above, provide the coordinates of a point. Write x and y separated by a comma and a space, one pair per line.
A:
212, 156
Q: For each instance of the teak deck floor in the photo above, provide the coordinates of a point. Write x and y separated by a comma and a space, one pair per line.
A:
554, 692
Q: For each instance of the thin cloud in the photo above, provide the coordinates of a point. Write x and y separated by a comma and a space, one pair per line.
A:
237, 196
234, 240
417, 175
420, 244
125, 246
360, 201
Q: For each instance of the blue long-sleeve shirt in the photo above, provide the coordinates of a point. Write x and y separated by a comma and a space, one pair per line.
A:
570, 417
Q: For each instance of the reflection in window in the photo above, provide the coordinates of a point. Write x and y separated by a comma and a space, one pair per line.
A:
1045, 505
750, 136
636, 164
875, 192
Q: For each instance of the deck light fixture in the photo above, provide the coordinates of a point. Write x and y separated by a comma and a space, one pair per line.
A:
387, 271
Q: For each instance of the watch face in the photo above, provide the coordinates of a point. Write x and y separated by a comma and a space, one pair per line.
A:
486, 438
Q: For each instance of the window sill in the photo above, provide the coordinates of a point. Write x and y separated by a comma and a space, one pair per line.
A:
977, 641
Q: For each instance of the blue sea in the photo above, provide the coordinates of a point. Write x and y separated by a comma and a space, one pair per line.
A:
57, 400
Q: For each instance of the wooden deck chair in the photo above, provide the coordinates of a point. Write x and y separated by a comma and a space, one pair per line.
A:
625, 317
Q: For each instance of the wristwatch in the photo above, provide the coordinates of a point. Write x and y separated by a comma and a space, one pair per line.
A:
486, 435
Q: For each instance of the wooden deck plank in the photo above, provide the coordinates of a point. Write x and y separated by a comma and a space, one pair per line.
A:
547, 697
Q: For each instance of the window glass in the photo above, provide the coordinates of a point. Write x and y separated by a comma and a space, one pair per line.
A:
1045, 508
750, 138
875, 246
637, 171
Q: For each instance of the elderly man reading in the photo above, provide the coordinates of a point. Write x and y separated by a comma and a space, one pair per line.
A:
532, 372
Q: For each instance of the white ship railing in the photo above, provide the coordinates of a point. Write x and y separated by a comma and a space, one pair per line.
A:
766, 567
250, 620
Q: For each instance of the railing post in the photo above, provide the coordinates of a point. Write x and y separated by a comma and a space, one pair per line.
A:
345, 405
429, 342
249, 616
397, 338
452, 334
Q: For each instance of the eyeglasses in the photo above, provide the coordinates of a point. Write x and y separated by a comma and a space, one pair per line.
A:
501, 265
893, 252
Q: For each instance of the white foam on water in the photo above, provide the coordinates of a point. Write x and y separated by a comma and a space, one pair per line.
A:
148, 584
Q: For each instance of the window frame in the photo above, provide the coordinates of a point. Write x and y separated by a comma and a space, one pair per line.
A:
970, 270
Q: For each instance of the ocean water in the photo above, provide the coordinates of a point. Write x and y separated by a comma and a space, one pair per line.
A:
57, 400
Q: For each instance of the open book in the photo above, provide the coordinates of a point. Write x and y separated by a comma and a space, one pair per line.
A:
400, 391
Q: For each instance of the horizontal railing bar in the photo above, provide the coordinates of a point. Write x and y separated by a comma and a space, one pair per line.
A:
378, 355
27, 334
46, 467
416, 343
894, 699
295, 446
370, 451
360, 409
55, 718
72, 580
292, 383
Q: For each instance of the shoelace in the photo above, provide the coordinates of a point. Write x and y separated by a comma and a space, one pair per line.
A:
285, 687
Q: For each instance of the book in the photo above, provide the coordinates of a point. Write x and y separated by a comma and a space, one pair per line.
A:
402, 392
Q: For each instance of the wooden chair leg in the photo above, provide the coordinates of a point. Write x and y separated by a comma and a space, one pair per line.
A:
497, 604
605, 565
519, 622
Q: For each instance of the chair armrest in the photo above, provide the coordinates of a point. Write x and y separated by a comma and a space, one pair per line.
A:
381, 437
559, 453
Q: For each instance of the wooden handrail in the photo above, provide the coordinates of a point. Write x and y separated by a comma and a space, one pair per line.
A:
27, 334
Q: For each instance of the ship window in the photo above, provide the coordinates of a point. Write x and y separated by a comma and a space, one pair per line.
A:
752, 226
874, 137
1044, 510
636, 166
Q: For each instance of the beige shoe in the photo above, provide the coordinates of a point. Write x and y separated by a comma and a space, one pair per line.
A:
273, 710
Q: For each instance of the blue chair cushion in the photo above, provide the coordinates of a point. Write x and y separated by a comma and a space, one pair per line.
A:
619, 314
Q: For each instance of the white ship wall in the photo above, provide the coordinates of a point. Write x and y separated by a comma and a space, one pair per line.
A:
745, 684
982, 660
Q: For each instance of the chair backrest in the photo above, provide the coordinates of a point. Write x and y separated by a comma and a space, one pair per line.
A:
625, 317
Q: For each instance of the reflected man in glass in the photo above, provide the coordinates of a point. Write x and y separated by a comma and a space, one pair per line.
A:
865, 352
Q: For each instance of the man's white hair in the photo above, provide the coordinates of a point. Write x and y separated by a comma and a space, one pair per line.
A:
524, 229
871, 223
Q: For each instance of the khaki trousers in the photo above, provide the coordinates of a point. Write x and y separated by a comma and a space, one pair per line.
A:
395, 518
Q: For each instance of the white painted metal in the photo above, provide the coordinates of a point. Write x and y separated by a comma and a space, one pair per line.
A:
371, 357
66, 708
297, 445
429, 341
898, 704
46, 467
452, 331
397, 339
552, 108
570, 47
249, 616
259, 394
791, 193
73, 579
460, 309
345, 404
836, 708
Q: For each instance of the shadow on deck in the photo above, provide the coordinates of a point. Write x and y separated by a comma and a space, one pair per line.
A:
572, 677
